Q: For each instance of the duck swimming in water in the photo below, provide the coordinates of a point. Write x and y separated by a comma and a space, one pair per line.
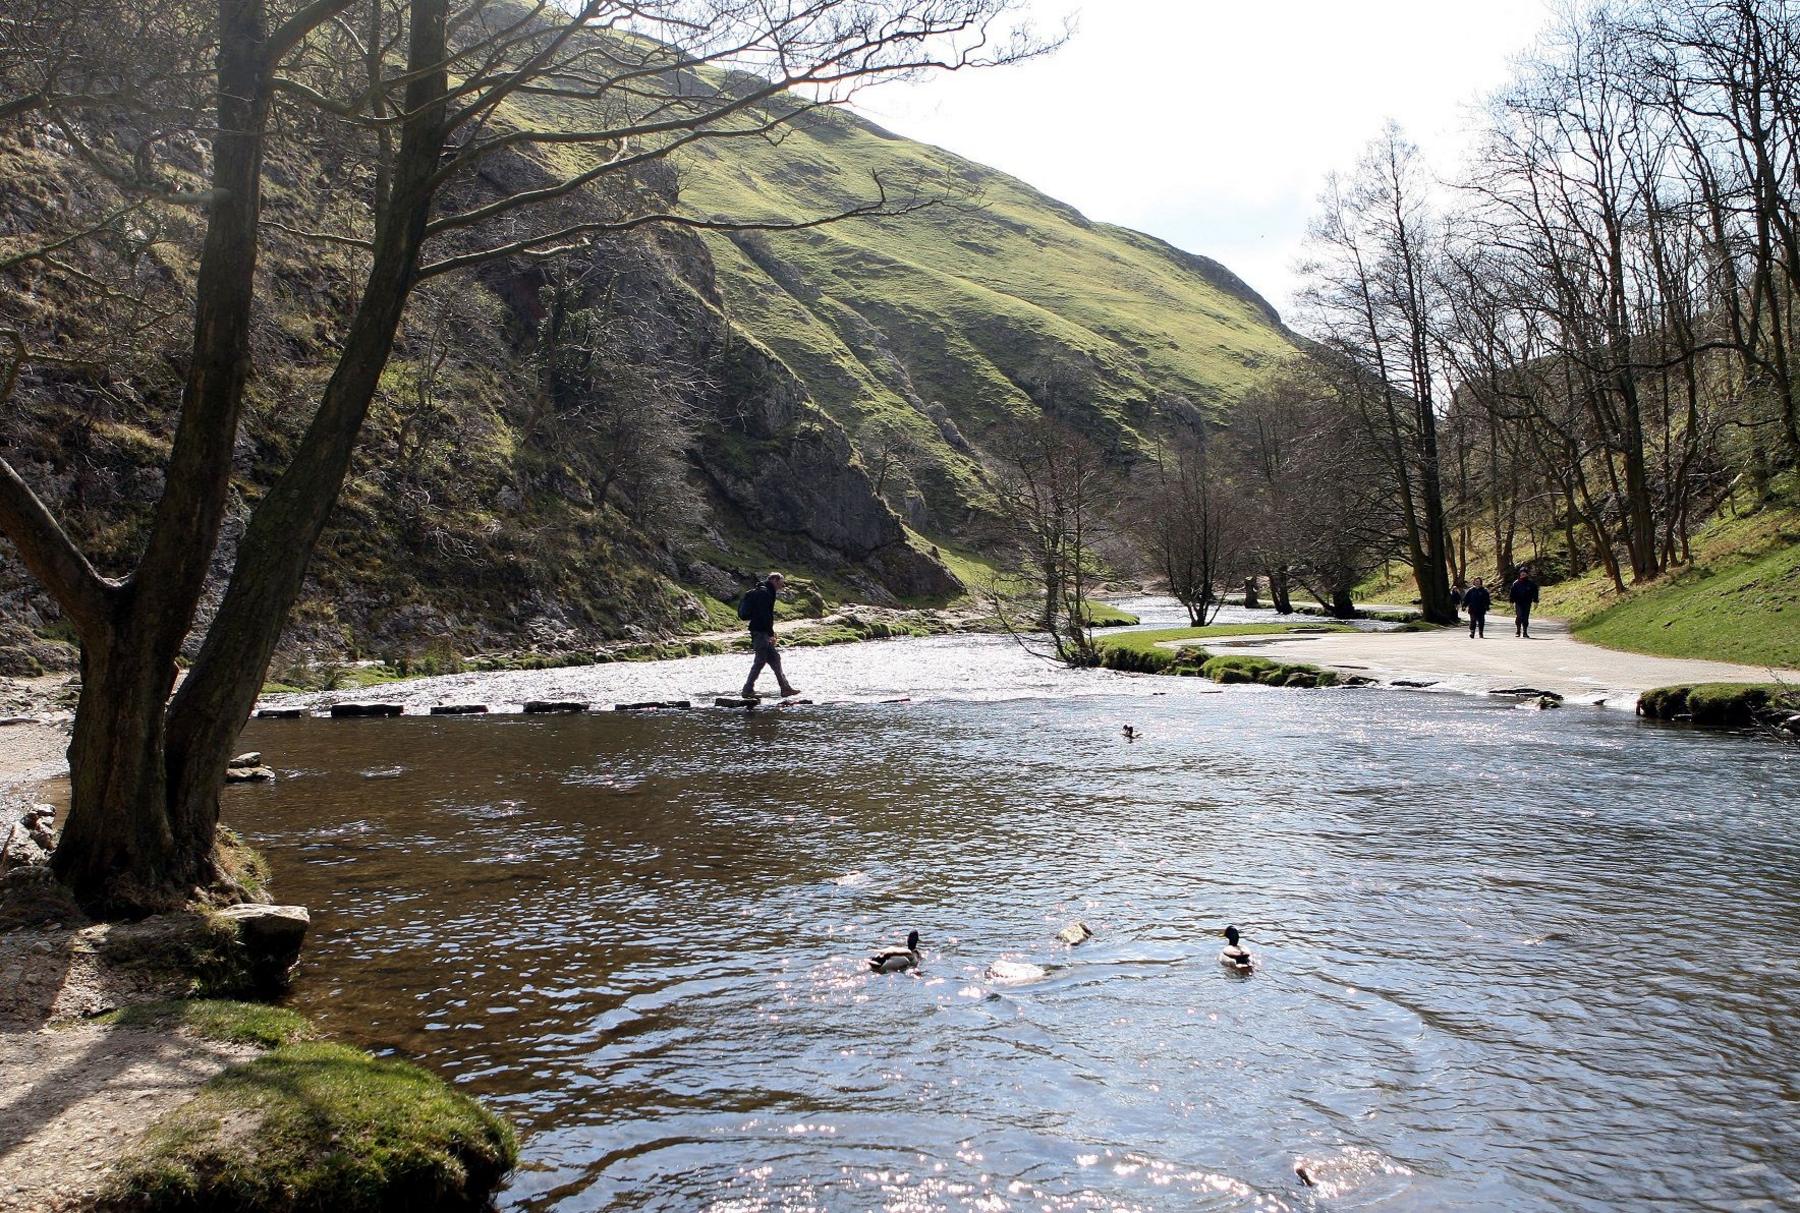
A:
1235, 957
1131, 733
897, 960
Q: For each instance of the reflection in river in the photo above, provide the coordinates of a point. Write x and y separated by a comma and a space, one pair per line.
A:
1511, 960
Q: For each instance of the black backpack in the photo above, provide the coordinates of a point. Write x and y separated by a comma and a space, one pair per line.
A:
744, 603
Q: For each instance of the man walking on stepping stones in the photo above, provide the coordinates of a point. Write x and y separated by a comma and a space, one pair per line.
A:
758, 610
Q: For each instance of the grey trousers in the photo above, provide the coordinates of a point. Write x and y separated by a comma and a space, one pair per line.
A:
766, 655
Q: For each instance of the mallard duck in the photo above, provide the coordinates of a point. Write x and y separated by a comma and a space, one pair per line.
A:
1131, 734
897, 960
1234, 957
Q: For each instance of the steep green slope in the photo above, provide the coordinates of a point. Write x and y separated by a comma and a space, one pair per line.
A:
995, 302
483, 513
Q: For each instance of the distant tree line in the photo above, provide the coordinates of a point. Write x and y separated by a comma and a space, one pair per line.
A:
1579, 348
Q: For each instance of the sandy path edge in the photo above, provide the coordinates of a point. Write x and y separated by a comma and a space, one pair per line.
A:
1551, 660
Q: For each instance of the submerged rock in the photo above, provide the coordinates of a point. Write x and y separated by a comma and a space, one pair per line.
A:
1541, 703
1075, 934
1526, 693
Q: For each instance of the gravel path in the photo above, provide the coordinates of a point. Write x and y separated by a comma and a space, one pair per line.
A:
73, 1098
1551, 660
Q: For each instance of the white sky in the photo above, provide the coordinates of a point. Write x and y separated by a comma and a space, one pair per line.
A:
1213, 124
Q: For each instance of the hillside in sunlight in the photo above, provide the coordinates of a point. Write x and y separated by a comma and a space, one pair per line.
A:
844, 387
991, 302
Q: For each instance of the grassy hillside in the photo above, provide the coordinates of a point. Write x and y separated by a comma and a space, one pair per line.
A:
998, 303
482, 511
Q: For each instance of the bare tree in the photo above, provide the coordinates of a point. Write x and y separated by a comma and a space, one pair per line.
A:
1193, 526
1052, 491
1372, 301
426, 103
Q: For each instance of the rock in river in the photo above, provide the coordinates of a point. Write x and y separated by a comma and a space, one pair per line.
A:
249, 774
367, 709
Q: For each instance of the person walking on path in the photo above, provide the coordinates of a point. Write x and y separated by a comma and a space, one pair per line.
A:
758, 610
1524, 595
1476, 602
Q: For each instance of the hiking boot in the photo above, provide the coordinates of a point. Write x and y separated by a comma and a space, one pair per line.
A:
749, 695
788, 692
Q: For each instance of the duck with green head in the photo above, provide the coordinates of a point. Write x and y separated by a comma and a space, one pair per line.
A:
897, 960
1235, 956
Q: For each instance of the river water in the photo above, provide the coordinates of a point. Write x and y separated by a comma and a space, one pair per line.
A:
1508, 960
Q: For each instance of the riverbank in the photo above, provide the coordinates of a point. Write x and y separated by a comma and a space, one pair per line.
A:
1552, 659
133, 1080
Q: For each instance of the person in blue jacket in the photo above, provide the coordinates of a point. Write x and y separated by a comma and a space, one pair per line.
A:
1524, 596
1476, 601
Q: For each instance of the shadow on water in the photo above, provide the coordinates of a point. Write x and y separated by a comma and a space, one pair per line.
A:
1509, 960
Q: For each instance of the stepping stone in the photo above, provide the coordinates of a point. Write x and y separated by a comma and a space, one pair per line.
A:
367, 709
1412, 683
545, 707
459, 709
1526, 692
256, 774
280, 713
677, 705
734, 701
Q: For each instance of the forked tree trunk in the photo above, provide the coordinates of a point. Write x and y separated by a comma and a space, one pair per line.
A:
145, 770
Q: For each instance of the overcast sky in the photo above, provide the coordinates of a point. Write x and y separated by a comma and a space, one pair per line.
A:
1213, 124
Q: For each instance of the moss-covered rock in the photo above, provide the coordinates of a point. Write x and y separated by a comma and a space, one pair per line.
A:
317, 1128
1715, 703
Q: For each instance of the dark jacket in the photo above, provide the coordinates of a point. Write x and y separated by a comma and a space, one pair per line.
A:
1524, 590
758, 609
1476, 600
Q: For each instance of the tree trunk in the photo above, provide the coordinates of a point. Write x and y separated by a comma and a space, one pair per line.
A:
119, 851
1279, 594
1341, 605
129, 846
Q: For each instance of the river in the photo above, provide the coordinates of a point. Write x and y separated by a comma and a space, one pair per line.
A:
1508, 960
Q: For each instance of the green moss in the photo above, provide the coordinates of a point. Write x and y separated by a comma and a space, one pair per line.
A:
223, 1020
1151, 639
1238, 668
1716, 703
317, 1127
1106, 615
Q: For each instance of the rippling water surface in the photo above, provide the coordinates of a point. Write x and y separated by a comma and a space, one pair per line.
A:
1510, 960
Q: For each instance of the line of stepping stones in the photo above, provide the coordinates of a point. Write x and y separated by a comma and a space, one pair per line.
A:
535, 707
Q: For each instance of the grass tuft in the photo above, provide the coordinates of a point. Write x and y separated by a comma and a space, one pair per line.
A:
219, 1019
316, 1127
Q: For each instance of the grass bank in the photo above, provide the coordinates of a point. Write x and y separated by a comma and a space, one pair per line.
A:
1148, 652
1723, 703
307, 1125
1738, 601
